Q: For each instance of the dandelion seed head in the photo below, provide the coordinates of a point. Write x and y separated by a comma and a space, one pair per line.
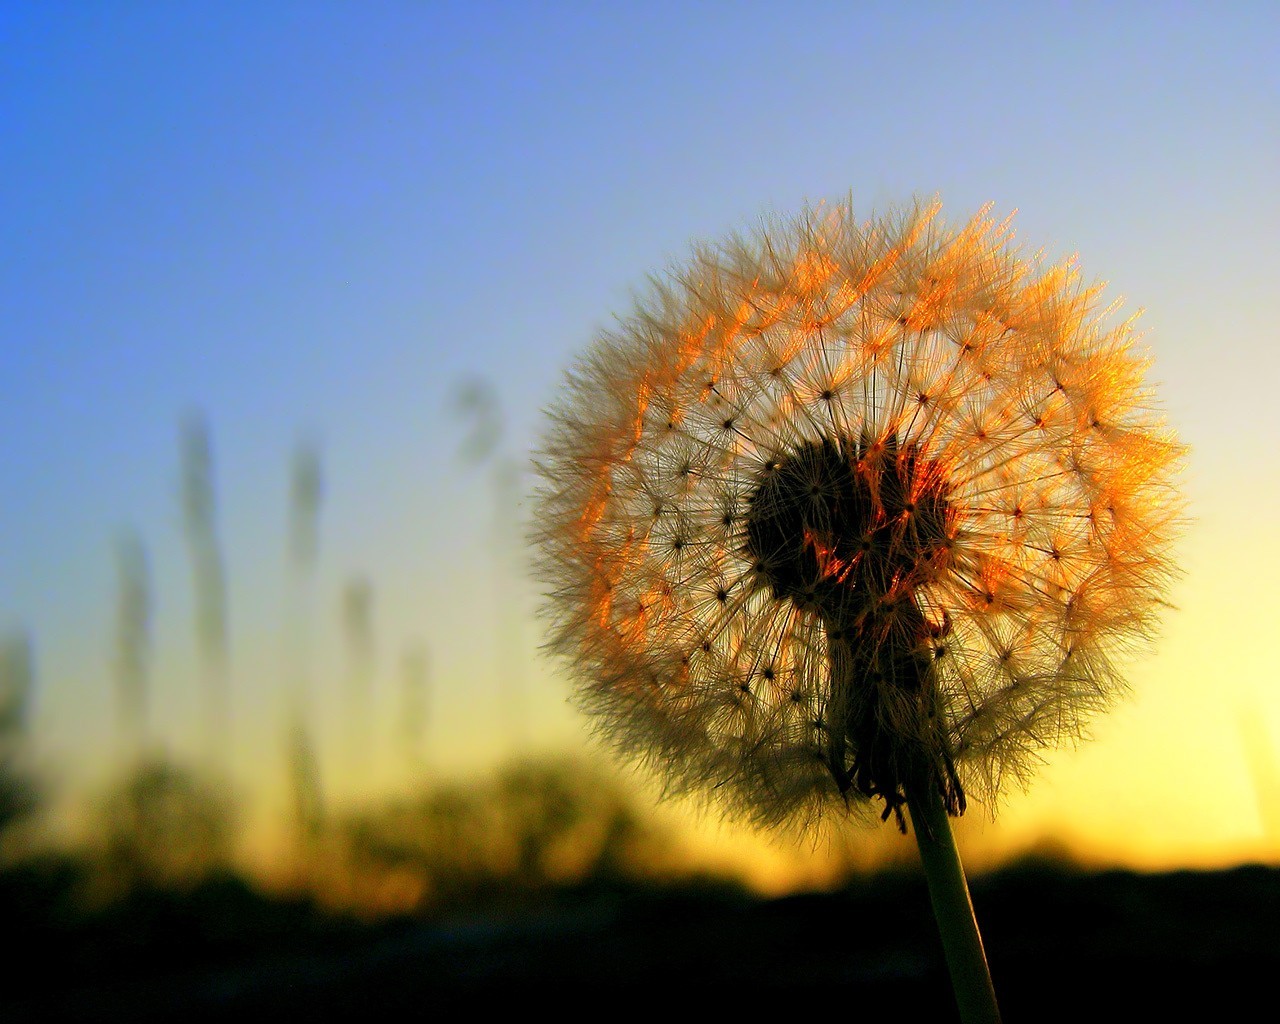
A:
847, 507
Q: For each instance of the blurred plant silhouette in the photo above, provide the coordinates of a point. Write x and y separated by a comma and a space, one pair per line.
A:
199, 517
304, 786
532, 828
306, 491
357, 605
477, 402
18, 796
133, 642
302, 762
1264, 771
163, 825
415, 697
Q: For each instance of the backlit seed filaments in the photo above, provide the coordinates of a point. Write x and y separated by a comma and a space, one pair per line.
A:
844, 509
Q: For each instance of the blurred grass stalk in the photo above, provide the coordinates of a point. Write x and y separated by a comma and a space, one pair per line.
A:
306, 493
477, 401
357, 629
133, 643
199, 508
414, 697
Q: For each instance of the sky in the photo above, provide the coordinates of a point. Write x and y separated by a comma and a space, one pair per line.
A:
321, 223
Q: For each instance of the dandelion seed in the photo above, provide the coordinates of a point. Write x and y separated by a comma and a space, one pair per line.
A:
953, 510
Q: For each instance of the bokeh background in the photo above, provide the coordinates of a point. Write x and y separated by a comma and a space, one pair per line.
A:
284, 288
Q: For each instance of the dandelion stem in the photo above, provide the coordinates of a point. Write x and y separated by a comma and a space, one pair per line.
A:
949, 892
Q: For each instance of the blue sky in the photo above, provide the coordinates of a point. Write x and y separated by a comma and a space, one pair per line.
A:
314, 220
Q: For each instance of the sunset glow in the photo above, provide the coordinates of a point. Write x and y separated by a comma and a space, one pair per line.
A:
242, 239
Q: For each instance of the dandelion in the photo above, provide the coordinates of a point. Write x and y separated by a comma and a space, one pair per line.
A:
852, 517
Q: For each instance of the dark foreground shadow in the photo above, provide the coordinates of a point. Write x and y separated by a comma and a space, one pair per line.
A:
1063, 945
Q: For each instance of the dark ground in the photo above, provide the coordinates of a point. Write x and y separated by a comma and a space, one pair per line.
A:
1063, 946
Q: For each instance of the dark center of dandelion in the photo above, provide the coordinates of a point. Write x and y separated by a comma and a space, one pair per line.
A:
850, 531
839, 527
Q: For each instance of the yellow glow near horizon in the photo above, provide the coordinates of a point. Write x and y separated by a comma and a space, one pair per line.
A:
1174, 776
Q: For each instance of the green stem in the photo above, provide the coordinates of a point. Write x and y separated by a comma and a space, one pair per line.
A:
961, 941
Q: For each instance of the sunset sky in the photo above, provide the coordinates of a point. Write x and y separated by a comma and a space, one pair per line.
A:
314, 222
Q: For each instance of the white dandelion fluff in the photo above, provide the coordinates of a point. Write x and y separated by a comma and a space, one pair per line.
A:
844, 510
